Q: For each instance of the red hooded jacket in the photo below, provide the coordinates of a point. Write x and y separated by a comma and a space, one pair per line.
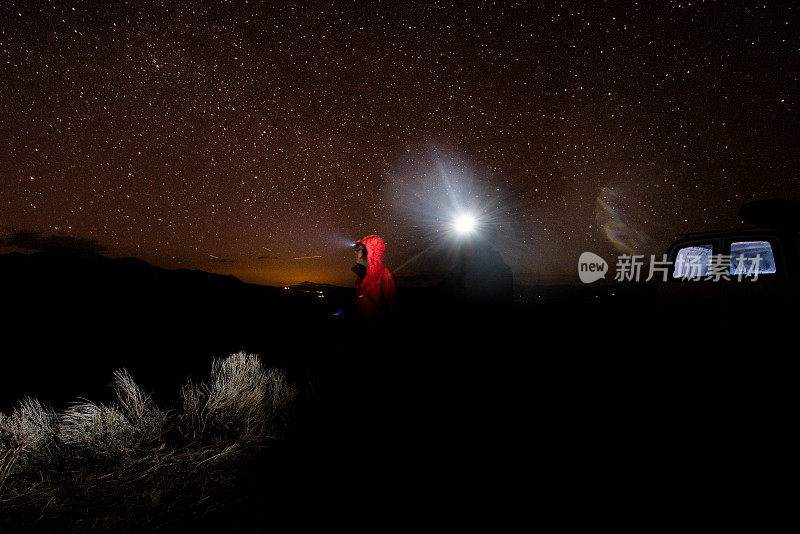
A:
375, 294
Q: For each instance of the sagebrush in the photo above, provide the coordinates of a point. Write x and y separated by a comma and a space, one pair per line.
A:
112, 451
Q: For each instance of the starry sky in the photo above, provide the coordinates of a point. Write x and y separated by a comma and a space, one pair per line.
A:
236, 137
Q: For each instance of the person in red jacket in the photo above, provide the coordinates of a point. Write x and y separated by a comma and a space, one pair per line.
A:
375, 287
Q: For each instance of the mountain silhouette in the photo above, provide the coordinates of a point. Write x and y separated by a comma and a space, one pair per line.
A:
75, 316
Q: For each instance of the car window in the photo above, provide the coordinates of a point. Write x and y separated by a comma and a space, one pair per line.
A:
693, 261
749, 258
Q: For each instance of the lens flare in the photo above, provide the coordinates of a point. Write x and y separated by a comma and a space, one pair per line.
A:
622, 219
439, 194
442, 204
465, 224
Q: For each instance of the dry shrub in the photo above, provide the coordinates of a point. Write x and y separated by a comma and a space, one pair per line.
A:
241, 399
31, 426
133, 424
28, 441
116, 452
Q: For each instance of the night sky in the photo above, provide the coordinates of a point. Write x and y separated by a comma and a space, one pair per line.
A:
237, 136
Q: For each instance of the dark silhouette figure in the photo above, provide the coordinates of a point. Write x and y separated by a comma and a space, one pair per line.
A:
480, 278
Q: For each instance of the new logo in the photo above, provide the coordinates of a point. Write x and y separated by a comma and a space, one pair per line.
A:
591, 267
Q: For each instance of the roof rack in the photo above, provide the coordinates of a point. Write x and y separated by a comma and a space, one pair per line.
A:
725, 231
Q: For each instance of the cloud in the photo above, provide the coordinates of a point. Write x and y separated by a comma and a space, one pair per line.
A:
31, 240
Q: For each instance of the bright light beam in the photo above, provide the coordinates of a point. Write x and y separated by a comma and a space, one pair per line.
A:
464, 224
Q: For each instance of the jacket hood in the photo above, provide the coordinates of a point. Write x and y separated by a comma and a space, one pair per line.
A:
375, 247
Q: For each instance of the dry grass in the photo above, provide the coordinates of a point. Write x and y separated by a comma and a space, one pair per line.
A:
132, 424
125, 459
242, 397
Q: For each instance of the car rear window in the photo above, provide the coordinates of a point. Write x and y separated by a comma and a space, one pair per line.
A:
750, 258
693, 261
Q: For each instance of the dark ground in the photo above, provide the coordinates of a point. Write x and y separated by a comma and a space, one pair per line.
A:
585, 403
